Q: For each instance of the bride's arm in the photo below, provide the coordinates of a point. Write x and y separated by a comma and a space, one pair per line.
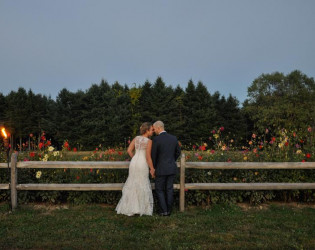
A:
131, 148
148, 157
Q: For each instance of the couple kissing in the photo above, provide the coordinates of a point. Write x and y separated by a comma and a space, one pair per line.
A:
158, 158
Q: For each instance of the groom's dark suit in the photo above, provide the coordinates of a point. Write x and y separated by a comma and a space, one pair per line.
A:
165, 151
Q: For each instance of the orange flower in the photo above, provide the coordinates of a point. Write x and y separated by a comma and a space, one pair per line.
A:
200, 157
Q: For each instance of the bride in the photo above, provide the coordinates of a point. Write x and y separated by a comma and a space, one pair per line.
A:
137, 195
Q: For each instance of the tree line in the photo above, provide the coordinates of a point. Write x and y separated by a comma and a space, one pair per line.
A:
110, 114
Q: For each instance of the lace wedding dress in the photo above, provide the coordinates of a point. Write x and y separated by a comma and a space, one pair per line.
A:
137, 195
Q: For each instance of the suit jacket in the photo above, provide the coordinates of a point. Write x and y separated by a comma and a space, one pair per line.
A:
164, 153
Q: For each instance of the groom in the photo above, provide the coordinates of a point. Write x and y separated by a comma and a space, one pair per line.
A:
165, 151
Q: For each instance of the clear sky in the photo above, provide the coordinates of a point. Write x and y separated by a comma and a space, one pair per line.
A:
226, 44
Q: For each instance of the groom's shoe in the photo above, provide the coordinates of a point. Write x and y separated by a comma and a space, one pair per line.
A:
164, 214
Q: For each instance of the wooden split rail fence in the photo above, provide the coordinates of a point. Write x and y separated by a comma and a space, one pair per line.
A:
182, 186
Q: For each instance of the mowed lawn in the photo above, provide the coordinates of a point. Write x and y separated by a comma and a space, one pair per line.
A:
99, 227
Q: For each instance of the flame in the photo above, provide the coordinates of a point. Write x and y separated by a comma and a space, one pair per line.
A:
4, 133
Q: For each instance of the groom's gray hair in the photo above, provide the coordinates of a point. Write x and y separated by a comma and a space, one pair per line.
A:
159, 124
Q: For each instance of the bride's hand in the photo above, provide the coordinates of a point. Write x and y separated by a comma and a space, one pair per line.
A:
152, 172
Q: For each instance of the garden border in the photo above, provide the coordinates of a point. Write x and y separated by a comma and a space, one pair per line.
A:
182, 186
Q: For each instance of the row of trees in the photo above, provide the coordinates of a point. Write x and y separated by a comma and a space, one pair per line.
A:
111, 114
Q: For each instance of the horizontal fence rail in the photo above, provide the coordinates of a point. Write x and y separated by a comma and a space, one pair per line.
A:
250, 165
182, 186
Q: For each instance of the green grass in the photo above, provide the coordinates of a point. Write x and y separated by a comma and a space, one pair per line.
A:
99, 227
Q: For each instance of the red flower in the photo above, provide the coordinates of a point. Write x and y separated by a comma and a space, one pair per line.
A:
66, 144
78, 177
32, 154
75, 150
273, 138
203, 148
229, 160
91, 170
40, 145
120, 153
31, 135
213, 131
287, 144
43, 138
200, 157
212, 151
303, 160
194, 146
222, 128
308, 155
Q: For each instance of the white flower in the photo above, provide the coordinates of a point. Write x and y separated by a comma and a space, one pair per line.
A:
299, 151
45, 157
50, 148
38, 174
56, 153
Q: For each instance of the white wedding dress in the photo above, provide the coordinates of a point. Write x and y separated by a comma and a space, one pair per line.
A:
137, 195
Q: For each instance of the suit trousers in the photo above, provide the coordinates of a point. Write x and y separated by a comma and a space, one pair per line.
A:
164, 192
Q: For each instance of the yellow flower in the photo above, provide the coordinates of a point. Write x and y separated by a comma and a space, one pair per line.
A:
256, 173
85, 158
97, 171
216, 136
235, 179
38, 174
245, 158
299, 151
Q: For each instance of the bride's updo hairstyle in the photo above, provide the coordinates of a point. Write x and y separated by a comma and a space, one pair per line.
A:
145, 127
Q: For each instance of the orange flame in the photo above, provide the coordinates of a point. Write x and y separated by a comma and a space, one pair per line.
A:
4, 133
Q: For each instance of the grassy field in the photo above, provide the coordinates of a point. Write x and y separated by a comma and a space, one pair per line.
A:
99, 227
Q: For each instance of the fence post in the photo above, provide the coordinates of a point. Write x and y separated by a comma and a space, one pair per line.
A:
182, 184
13, 183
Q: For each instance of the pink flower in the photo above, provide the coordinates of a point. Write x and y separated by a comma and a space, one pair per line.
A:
222, 128
309, 129
254, 136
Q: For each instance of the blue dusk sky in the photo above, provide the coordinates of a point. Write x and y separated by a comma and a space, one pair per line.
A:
49, 45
